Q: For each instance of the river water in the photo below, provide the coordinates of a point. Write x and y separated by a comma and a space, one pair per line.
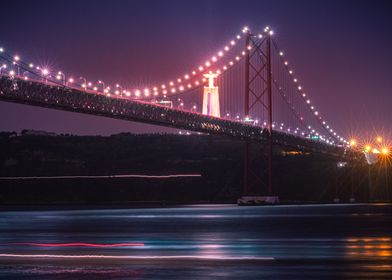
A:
199, 242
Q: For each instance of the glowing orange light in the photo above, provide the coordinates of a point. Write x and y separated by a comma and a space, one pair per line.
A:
385, 151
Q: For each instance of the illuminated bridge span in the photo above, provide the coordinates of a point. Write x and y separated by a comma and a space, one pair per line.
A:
246, 90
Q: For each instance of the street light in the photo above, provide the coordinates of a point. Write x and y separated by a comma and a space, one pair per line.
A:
121, 89
45, 73
15, 62
61, 76
103, 86
84, 85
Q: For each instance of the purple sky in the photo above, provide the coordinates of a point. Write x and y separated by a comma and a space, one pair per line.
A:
340, 50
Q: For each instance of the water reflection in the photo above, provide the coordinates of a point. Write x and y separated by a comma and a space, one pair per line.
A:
369, 247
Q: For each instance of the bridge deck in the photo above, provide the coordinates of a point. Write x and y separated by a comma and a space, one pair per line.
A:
69, 99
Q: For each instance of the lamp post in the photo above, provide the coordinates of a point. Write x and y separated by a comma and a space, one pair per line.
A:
103, 86
120, 91
84, 85
61, 76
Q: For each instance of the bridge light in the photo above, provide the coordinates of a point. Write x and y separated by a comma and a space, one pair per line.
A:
146, 92
303, 94
379, 139
201, 68
353, 142
238, 37
186, 76
89, 84
137, 93
95, 88
316, 113
181, 88
295, 80
367, 148
220, 53
58, 77
299, 88
16, 58
179, 80
128, 93
260, 36
208, 64
193, 72
163, 86
171, 83
271, 32
281, 53
237, 58
308, 101
286, 63
385, 151
291, 72
71, 80
214, 59
173, 90
231, 63
12, 73
31, 65
117, 92
1, 49
232, 42
225, 67
45, 71
226, 48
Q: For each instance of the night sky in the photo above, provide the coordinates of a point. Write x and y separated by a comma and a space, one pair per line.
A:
340, 50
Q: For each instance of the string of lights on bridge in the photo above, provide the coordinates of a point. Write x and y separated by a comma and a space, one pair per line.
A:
189, 80
307, 100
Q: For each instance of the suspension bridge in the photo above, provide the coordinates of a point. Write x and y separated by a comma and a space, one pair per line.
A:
247, 89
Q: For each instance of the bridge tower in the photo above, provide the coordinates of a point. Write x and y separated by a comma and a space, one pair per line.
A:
258, 91
211, 97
